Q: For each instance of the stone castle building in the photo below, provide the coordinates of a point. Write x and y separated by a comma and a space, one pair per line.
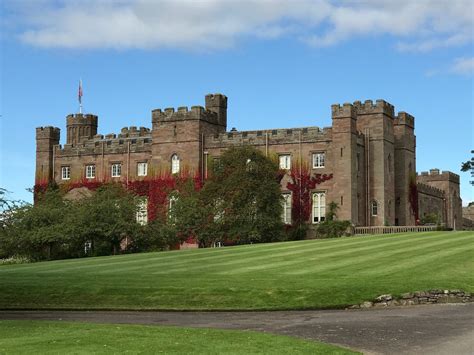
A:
369, 149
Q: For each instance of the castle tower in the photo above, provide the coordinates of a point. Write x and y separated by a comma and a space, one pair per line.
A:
218, 103
376, 123
80, 127
344, 141
178, 135
405, 167
46, 139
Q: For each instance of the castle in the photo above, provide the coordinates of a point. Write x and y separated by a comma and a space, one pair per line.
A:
369, 150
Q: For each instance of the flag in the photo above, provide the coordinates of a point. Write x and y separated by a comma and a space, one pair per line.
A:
80, 92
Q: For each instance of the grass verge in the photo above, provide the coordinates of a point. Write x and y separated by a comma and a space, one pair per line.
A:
293, 275
40, 337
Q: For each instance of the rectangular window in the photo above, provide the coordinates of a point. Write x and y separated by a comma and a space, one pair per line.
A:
142, 169
285, 161
319, 207
171, 210
142, 211
90, 171
286, 214
66, 172
116, 170
318, 160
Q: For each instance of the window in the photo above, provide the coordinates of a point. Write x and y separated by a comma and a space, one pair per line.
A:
374, 208
174, 164
318, 160
319, 207
285, 161
172, 201
286, 215
66, 172
142, 211
142, 169
90, 171
116, 170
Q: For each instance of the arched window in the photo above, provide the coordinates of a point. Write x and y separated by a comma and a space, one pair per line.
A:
174, 164
374, 208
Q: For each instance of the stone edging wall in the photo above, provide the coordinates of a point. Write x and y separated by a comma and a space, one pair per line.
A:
418, 297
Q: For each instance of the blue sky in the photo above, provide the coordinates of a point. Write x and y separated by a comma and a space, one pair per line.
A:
281, 63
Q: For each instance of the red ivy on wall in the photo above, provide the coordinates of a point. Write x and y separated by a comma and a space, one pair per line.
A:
301, 186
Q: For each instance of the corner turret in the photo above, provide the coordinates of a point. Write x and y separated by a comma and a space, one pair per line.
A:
218, 103
80, 127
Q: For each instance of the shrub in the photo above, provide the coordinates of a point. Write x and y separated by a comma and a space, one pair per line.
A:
331, 227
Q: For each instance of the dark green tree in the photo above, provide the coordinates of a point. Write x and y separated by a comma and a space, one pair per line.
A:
242, 198
469, 166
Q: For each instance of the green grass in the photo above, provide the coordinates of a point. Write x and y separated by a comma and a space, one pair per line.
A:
40, 337
292, 275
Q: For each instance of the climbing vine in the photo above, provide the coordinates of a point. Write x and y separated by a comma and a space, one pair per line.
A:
413, 197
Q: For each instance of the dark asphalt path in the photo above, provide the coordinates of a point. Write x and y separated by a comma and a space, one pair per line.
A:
433, 329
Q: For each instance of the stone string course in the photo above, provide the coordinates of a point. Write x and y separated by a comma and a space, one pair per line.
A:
418, 297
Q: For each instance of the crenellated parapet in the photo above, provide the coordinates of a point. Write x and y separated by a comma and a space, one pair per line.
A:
184, 114
368, 107
271, 136
48, 132
133, 131
430, 190
343, 111
437, 175
404, 118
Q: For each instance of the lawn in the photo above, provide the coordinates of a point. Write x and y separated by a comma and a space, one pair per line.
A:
40, 337
293, 275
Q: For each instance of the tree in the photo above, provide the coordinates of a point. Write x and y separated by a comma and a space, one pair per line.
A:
331, 227
105, 219
469, 166
243, 199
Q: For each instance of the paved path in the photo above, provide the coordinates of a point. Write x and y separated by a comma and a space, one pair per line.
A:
433, 329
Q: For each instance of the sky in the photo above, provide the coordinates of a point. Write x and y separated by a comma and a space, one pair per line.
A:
280, 63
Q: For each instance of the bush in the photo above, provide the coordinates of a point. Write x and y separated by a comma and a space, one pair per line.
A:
332, 228
15, 260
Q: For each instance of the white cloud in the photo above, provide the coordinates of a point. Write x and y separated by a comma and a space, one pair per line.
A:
420, 25
463, 66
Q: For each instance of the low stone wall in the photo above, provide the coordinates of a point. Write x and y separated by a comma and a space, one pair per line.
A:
418, 297
392, 229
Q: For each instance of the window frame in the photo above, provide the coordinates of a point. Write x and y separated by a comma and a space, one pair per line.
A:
320, 208
175, 164
142, 211
287, 161
321, 162
116, 170
287, 208
90, 171
373, 204
67, 169
145, 164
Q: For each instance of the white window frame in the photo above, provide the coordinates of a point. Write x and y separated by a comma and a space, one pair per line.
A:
142, 211
175, 164
285, 161
286, 213
65, 172
319, 160
318, 209
373, 204
116, 169
90, 171
142, 168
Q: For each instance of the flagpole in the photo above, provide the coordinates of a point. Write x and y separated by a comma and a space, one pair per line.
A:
80, 96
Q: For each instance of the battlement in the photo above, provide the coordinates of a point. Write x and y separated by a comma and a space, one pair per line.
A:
430, 190
344, 111
368, 107
404, 118
133, 131
183, 113
216, 100
278, 136
436, 175
82, 119
48, 132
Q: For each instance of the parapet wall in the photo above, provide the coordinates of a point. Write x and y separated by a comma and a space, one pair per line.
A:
404, 118
436, 175
48, 132
274, 136
79, 118
430, 190
138, 140
368, 108
183, 114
